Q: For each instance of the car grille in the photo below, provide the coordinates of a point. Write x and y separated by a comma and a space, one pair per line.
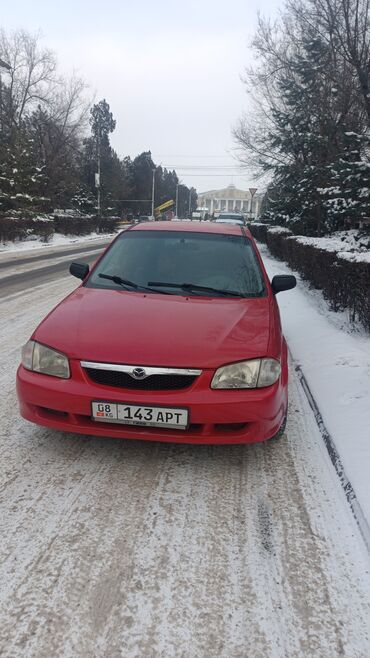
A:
151, 383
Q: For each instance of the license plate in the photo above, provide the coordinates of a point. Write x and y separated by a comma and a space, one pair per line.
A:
129, 414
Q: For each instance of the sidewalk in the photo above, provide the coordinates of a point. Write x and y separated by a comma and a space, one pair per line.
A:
336, 364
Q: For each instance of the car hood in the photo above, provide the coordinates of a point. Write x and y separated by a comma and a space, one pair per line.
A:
158, 330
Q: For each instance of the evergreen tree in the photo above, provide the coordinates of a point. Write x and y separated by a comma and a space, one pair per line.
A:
83, 200
23, 180
347, 195
98, 153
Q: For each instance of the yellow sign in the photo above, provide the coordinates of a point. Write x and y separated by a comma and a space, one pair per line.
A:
167, 204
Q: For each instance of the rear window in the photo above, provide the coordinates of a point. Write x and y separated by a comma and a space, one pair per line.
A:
225, 262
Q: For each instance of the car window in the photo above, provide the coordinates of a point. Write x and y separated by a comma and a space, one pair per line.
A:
226, 262
230, 216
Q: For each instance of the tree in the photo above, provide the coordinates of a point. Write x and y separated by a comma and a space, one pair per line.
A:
46, 159
32, 75
347, 195
102, 124
346, 25
142, 177
307, 108
39, 106
23, 180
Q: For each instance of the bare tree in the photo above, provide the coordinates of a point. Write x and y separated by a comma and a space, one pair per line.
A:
278, 49
345, 24
33, 77
39, 104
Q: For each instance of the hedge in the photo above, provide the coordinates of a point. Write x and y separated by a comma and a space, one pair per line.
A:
75, 225
20, 228
84, 224
344, 283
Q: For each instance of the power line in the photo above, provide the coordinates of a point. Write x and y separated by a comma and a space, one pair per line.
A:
204, 167
211, 175
187, 155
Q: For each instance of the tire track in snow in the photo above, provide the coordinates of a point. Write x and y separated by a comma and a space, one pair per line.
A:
117, 548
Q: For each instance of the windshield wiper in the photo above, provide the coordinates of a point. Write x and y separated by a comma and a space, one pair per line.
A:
193, 286
130, 284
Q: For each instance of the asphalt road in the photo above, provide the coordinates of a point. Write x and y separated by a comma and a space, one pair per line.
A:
17, 259
18, 274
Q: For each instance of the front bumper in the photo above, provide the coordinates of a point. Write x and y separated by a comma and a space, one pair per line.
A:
216, 416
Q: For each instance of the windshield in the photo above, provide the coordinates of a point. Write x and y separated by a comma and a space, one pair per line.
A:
223, 262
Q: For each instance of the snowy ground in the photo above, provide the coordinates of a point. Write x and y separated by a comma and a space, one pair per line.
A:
336, 364
120, 549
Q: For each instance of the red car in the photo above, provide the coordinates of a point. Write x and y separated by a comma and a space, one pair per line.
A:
174, 335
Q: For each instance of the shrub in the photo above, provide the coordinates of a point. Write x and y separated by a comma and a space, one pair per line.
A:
75, 224
108, 224
84, 224
20, 228
344, 281
259, 231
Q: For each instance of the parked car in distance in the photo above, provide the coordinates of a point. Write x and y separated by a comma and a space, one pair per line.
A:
231, 218
173, 335
201, 213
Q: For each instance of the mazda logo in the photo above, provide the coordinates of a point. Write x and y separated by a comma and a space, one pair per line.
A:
138, 373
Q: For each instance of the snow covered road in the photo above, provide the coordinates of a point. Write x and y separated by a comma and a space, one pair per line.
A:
116, 548
18, 274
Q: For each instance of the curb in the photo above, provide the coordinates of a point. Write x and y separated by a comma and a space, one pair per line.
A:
336, 461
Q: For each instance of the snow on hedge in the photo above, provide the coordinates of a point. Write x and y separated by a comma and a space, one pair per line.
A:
350, 245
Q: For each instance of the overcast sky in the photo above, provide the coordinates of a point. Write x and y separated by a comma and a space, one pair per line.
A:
169, 70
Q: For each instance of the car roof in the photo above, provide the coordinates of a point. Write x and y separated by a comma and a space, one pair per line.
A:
194, 227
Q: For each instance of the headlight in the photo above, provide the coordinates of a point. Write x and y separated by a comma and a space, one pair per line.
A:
45, 360
255, 373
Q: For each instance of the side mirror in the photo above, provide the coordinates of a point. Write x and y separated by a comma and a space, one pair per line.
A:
80, 270
283, 282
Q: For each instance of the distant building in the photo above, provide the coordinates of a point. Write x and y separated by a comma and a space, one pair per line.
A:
230, 199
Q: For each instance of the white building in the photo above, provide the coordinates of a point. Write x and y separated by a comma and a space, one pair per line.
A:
230, 199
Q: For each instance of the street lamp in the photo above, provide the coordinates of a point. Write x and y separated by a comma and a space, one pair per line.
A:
153, 187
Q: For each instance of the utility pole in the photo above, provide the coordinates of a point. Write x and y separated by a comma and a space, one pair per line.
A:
153, 188
97, 175
177, 201
189, 213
